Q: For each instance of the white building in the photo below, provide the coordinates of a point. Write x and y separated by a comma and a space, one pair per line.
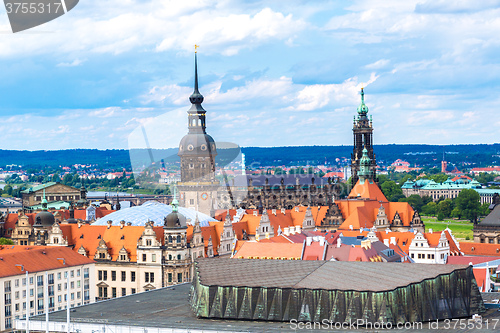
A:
44, 278
429, 248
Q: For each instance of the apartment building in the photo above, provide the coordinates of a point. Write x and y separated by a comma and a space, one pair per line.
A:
42, 278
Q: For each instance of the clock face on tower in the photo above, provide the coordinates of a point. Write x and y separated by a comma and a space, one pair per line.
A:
203, 147
190, 147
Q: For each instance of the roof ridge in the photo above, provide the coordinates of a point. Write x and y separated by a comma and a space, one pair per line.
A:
305, 277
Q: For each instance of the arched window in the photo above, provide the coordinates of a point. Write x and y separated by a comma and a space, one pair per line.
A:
178, 239
170, 239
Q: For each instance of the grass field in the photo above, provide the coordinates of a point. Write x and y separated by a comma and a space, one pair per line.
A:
461, 229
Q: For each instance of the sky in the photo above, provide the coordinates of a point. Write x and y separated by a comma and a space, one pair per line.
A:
273, 73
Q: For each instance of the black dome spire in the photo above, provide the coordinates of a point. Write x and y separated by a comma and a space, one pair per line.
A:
196, 97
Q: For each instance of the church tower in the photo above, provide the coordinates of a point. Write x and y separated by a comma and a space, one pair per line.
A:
363, 138
197, 151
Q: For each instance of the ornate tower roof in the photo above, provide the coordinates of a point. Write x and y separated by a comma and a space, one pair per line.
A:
197, 142
364, 166
362, 108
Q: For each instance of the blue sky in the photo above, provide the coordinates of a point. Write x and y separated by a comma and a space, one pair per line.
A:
273, 73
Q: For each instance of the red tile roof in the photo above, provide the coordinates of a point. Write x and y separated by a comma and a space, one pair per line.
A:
480, 249
37, 259
466, 260
115, 237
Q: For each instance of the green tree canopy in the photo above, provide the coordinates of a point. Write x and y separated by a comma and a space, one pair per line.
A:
415, 201
391, 190
468, 202
6, 241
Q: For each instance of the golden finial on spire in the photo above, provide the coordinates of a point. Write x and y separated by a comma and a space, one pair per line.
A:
196, 48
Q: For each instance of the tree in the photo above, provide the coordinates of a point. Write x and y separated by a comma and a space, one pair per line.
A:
8, 189
485, 209
392, 190
415, 201
468, 202
430, 209
6, 241
444, 208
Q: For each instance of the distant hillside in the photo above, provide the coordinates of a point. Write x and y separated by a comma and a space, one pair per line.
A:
424, 155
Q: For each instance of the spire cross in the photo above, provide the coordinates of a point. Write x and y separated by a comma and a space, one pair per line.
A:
196, 48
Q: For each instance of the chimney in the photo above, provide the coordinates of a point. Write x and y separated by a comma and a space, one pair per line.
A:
286, 231
297, 209
339, 242
350, 227
393, 240
122, 224
109, 223
283, 211
308, 241
386, 242
322, 241
273, 212
292, 230
255, 213
129, 224
297, 229
430, 231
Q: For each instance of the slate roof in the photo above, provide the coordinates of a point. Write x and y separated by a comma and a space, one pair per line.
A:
493, 218
315, 274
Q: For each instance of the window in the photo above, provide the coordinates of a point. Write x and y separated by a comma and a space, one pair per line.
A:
153, 257
132, 276
39, 280
124, 276
31, 280
77, 272
152, 277
103, 292
17, 294
124, 291
146, 276
58, 287
144, 257
7, 286
72, 296
86, 273
16, 283
133, 290
72, 285
59, 299
78, 295
113, 275
7, 299
40, 304
113, 292
51, 278
32, 292
178, 239
72, 274
179, 277
78, 284
178, 257
191, 201
104, 275
59, 276
169, 277
413, 256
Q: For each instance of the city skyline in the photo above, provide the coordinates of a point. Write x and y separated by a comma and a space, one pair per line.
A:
272, 74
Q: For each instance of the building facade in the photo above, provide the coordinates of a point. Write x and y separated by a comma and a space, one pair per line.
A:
44, 277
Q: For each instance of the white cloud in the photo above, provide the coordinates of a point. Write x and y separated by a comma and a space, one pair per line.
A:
76, 62
122, 26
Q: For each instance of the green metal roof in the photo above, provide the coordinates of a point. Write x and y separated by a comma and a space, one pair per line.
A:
53, 204
39, 187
